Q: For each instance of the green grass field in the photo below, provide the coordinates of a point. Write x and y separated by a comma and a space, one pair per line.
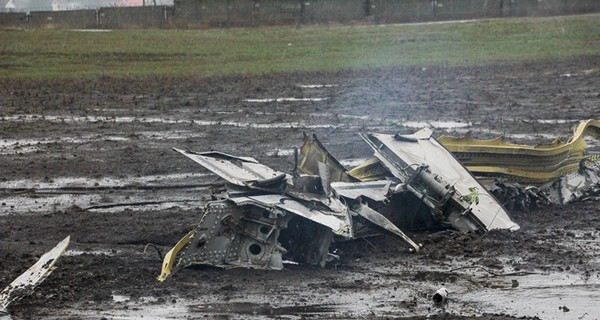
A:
139, 53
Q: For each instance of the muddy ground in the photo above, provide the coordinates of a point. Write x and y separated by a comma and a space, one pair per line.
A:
93, 159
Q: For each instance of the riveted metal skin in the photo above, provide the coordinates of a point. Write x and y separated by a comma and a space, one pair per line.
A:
236, 236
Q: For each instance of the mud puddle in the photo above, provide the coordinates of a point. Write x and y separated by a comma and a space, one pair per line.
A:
102, 202
547, 296
316, 86
106, 182
76, 252
263, 309
436, 124
22, 146
253, 307
150, 120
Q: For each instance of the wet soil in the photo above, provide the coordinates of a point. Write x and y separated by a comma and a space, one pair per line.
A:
93, 159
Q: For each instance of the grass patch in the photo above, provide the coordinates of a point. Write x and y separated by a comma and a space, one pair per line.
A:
63, 54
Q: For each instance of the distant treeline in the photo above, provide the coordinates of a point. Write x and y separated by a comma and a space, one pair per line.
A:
225, 13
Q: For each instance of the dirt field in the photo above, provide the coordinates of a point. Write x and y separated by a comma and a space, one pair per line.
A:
93, 159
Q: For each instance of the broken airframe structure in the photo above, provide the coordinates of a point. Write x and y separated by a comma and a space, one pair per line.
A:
261, 217
557, 173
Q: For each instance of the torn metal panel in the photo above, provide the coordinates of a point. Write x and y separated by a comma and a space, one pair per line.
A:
240, 171
429, 171
377, 192
313, 153
523, 163
327, 177
339, 223
316, 158
247, 172
310, 188
374, 190
381, 221
26, 282
371, 170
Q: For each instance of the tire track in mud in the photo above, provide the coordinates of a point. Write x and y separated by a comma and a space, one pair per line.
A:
26, 196
352, 123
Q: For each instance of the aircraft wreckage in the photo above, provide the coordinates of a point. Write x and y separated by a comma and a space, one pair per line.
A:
554, 173
260, 217
26, 283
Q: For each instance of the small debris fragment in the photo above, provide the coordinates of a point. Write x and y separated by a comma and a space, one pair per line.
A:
440, 296
564, 309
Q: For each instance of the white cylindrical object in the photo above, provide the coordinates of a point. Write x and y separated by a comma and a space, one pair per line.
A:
440, 296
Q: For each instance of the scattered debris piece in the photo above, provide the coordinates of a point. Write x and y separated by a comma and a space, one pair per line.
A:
582, 184
514, 196
26, 282
440, 296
